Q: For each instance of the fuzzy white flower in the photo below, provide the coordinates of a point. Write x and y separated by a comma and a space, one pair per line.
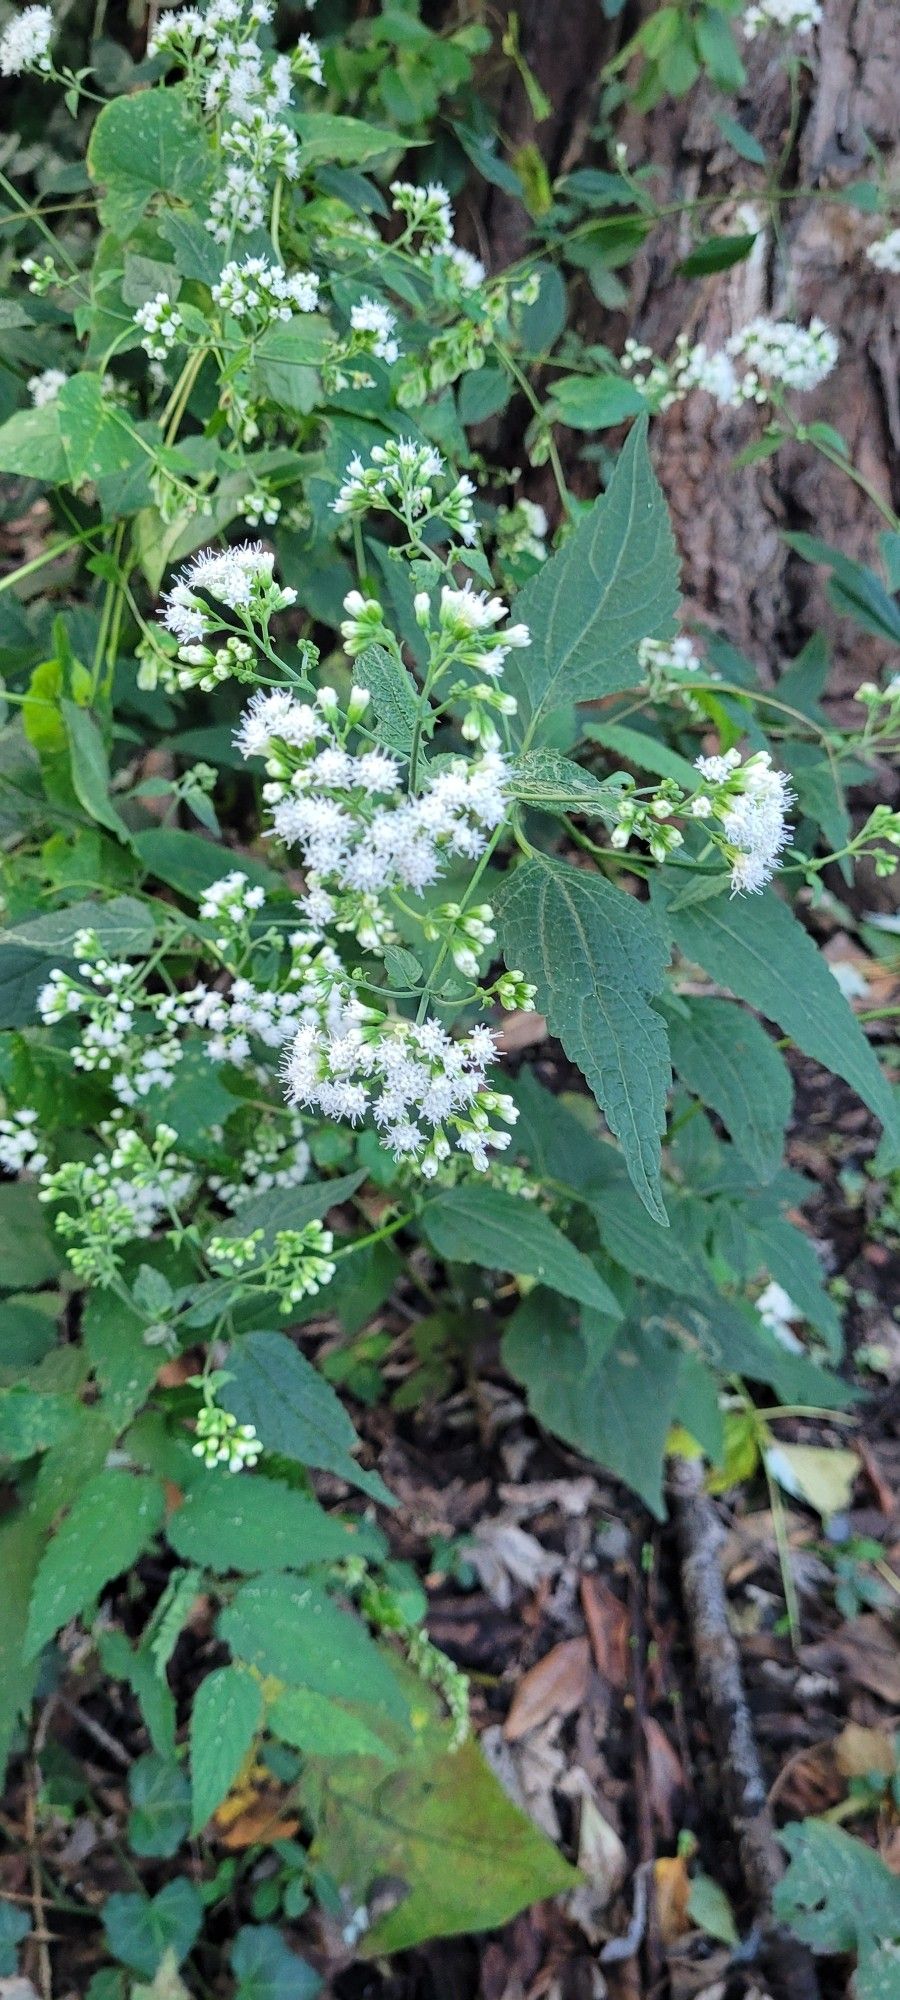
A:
20, 1145
792, 17
780, 351
427, 210
885, 255
45, 388
161, 324
25, 41
374, 324
261, 291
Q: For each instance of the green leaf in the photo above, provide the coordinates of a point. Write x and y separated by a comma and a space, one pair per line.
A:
28, 1255
154, 1696
484, 1225
292, 1208
710, 1910
613, 583
588, 1384
188, 863
324, 1728
444, 1827
90, 769
731, 1064
124, 927
31, 445
108, 1525
226, 1717
125, 1365
255, 1523
141, 1929
638, 747
837, 1895
22, 1543
718, 253
266, 1969
30, 1421
285, 360
594, 955
395, 699
97, 438
594, 403
340, 141
553, 783
145, 145
160, 1805
743, 141
293, 1410
718, 49
757, 948
855, 590
792, 1260
293, 1630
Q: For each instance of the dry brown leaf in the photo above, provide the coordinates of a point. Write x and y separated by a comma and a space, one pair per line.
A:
868, 1653
520, 1031
858, 1751
609, 1628
665, 1775
672, 1886
252, 1815
602, 1861
557, 1685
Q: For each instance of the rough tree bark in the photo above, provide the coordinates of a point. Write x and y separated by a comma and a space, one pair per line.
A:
737, 572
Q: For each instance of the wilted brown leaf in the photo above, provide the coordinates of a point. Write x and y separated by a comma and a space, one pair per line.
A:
672, 1887
665, 1775
557, 1685
609, 1628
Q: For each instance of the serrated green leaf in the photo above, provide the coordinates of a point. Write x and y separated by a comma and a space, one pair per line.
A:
837, 1895
731, 1064
97, 437
31, 445
108, 1524
613, 583
255, 1523
188, 863
266, 1968
22, 1542
141, 1929
28, 1255
292, 1208
484, 1225
291, 1629
637, 746
552, 782
395, 699
595, 403
160, 1805
226, 1716
30, 1421
595, 956
587, 1382
124, 928
756, 947
342, 141
148, 144
324, 1728
293, 1409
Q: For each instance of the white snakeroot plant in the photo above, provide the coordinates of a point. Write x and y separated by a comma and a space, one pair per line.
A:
885, 254
756, 364
25, 42
790, 17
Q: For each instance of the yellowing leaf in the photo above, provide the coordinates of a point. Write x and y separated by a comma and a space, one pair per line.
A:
821, 1475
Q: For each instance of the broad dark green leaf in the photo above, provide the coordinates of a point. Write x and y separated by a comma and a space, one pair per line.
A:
342, 141
718, 253
225, 1719
160, 1813
141, 1929
293, 1208
757, 948
609, 1391
321, 1727
30, 1421
144, 145
28, 1254
97, 437
837, 1895
22, 1543
290, 1628
613, 583
31, 445
648, 753
595, 403
730, 1063
293, 1409
124, 927
266, 1968
595, 956
255, 1523
109, 1523
189, 863
484, 1225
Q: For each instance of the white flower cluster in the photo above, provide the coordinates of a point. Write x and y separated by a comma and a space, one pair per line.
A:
110, 1041
775, 353
669, 656
297, 1267
792, 17
20, 1144
411, 1078
221, 1440
373, 326
240, 578
401, 481
231, 902
751, 801
45, 388
248, 91
277, 1157
261, 292
161, 324
429, 216
25, 41
885, 255
523, 530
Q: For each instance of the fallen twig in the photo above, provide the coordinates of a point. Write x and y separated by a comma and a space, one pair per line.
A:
789, 1965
